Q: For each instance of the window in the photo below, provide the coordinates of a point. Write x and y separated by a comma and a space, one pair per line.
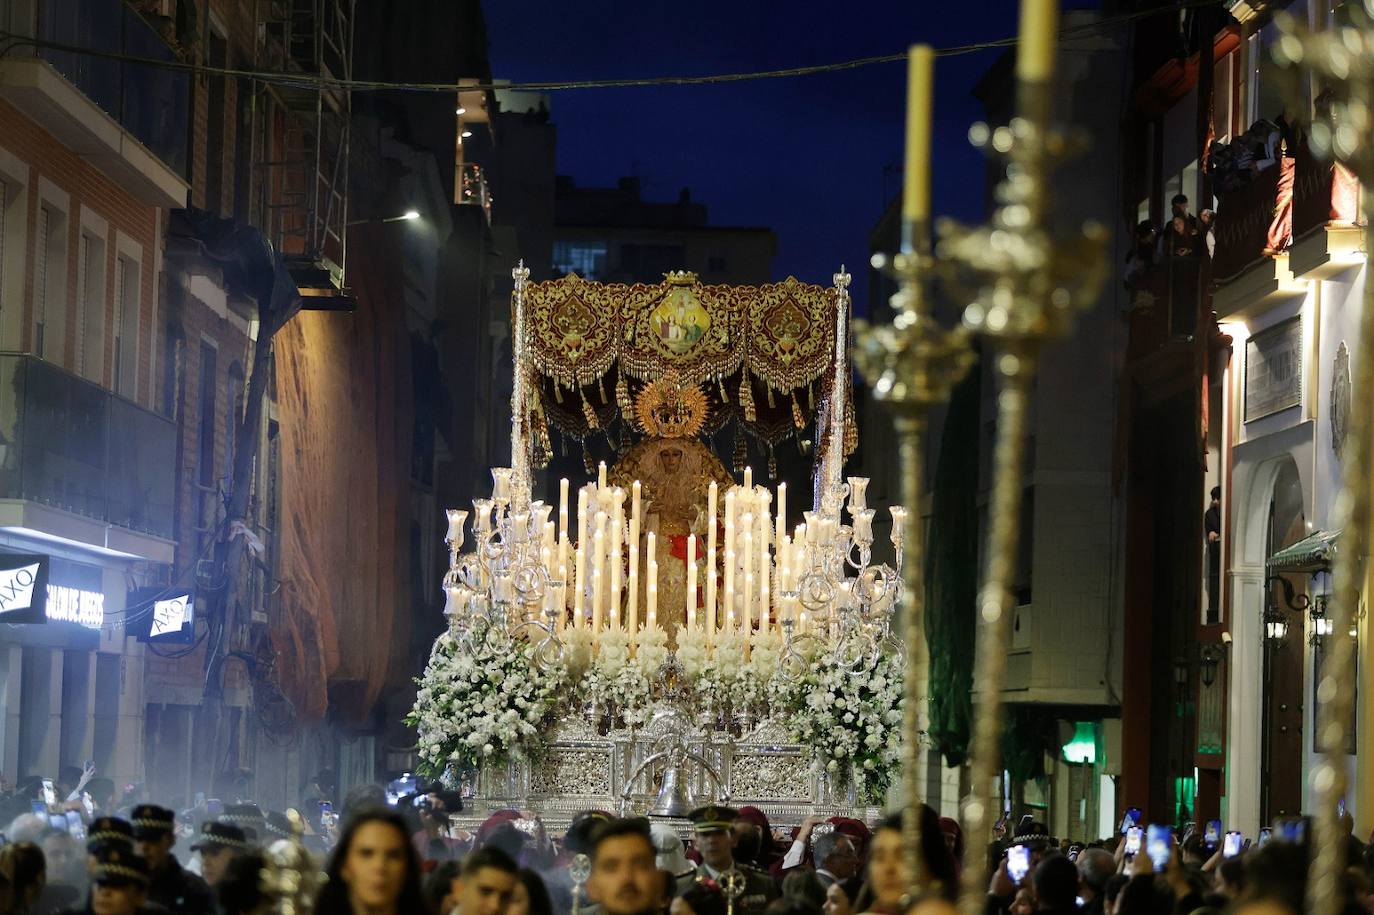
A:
173, 370
234, 409
214, 132
585, 258
49, 284
126, 325
89, 358
206, 460
14, 227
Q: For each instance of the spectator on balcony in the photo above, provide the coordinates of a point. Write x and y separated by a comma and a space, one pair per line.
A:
1183, 234
1211, 522
1141, 260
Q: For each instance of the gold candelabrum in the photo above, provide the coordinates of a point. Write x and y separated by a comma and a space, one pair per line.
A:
912, 365
1342, 58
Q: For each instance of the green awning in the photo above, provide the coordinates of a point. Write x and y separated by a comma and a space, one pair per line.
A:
1313, 553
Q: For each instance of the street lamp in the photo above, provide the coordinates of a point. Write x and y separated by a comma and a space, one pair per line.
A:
407, 216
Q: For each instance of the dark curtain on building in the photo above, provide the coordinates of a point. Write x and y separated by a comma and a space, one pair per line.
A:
951, 574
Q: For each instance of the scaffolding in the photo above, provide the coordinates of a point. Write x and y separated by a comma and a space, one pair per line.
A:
301, 140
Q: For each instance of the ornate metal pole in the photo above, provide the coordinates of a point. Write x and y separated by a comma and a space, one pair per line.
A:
913, 364
1025, 290
519, 428
1344, 60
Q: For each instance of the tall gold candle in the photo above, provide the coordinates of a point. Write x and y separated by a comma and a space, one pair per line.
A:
919, 105
1037, 40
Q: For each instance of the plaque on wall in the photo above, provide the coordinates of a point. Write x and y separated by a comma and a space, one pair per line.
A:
1273, 369
1340, 398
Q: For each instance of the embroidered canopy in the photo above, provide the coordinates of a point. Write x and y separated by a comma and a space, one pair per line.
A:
760, 354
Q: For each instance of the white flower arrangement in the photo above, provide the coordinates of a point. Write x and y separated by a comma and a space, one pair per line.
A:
480, 707
850, 718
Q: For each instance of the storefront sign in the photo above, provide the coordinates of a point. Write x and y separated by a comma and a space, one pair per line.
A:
73, 605
23, 588
1273, 370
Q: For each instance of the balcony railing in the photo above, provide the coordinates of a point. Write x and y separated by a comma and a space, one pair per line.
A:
473, 189
72, 445
1255, 221
151, 102
1323, 193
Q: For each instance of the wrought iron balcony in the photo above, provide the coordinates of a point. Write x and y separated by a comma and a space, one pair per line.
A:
73, 445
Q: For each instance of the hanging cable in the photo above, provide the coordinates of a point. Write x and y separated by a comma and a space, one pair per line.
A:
312, 81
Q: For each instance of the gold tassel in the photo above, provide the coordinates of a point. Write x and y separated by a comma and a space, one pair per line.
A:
622, 396
589, 413
797, 419
601, 388
724, 397
741, 459
557, 392
810, 398
771, 404
746, 397
772, 464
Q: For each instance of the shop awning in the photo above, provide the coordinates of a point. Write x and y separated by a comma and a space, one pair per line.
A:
1313, 553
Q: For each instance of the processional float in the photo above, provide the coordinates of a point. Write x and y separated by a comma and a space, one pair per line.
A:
1022, 287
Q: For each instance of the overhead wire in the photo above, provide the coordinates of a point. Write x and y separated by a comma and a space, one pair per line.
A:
319, 81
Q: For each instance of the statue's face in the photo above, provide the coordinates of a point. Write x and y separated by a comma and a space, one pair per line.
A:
670, 459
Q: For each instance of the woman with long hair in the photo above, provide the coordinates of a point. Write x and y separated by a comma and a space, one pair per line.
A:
531, 897
886, 881
374, 869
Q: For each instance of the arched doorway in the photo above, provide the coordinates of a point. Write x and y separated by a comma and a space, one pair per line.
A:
1281, 781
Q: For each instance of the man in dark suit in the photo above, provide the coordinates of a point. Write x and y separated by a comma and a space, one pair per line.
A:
753, 889
176, 890
837, 862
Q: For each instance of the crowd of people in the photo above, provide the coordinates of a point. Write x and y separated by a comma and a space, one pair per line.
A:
390, 854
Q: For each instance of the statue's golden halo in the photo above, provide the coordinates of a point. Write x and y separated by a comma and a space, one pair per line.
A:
667, 409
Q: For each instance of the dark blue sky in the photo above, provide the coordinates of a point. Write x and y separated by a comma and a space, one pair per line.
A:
804, 156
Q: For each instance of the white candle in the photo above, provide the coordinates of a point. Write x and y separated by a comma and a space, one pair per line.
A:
691, 583
632, 600
651, 592
730, 496
548, 541
582, 517
711, 562
782, 514
634, 500
601, 475
563, 507
765, 588
562, 602
580, 588
617, 538
746, 555
598, 560
748, 479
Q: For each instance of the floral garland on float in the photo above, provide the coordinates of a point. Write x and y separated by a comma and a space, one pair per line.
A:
550, 621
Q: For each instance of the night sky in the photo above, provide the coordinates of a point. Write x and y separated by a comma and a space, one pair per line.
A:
805, 156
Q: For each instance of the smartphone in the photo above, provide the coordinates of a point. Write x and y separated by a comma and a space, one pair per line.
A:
1132, 818
1340, 807
1265, 835
1232, 846
1133, 835
326, 814
1002, 822
200, 799
49, 793
1074, 851
1211, 833
1018, 863
88, 802
75, 826
1159, 845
